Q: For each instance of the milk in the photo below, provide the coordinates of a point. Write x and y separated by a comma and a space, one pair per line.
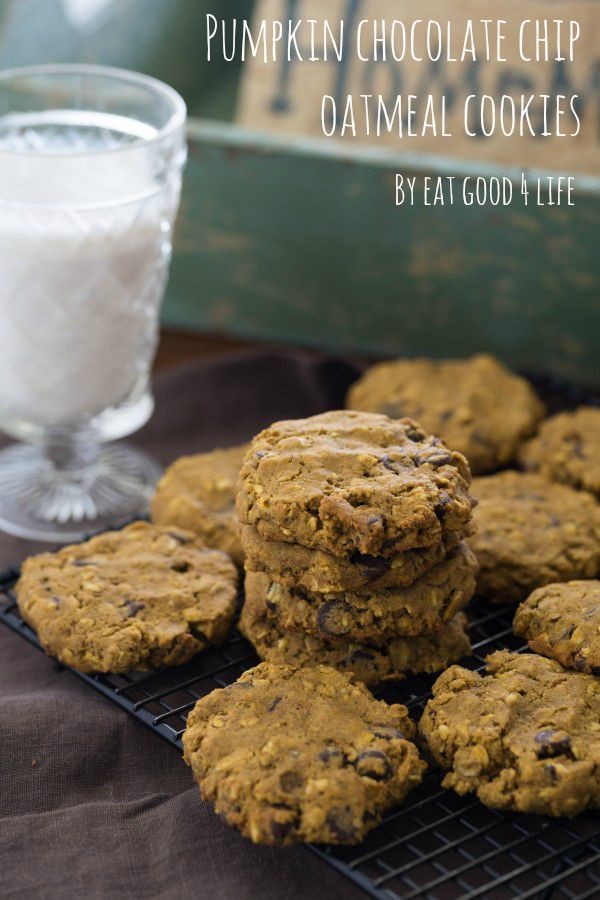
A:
84, 251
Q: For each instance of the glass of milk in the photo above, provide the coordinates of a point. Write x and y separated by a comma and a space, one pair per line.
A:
91, 160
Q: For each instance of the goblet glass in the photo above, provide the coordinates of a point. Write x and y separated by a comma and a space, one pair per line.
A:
91, 160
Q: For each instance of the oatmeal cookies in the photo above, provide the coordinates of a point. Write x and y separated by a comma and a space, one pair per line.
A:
477, 406
369, 662
562, 621
353, 528
524, 736
315, 570
347, 482
567, 449
291, 755
143, 597
421, 607
198, 493
531, 532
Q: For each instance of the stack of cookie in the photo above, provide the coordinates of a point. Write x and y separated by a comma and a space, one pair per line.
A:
353, 527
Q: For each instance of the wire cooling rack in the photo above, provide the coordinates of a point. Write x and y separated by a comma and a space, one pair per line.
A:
437, 846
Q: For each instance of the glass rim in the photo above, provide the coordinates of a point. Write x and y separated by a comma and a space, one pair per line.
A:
177, 104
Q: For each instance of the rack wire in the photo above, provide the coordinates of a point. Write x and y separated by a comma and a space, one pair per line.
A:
437, 846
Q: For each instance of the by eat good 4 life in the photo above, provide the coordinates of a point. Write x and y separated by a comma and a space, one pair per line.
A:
479, 190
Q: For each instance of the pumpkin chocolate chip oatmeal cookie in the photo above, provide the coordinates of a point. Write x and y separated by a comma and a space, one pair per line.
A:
531, 532
390, 660
523, 736
421, 607
292, 755
198, 493
562, 621
143, 597
346, 482
315, 570
475, 405
567, 449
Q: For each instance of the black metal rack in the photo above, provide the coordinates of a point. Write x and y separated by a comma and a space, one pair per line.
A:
438, 846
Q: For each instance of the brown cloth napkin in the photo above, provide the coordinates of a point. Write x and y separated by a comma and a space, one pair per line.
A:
92, 804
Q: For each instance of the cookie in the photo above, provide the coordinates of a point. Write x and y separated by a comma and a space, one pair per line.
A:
315, 570
477, 406
198, 493
347, 482
562, 621
373, 665
567, 449
292, 755
143, 597
422, 607
531, 532
524, 736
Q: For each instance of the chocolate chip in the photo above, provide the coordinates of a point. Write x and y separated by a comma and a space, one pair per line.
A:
330, 618
551, 770
181, 566
374, 764
552, 744
132, 608
290, 781
480, 438
374, 520
580, 663
282, 830
387, 462
260, 454
330, 753
388, 732
444, 500
356, 655
414, 434
55, 600
375, 565
340, 823
198, 629
274, 703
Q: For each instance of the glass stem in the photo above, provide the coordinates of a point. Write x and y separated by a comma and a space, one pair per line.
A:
72, 458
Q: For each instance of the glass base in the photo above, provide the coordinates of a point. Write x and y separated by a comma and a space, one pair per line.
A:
42, 502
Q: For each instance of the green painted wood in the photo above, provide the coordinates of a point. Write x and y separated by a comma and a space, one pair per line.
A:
301, 241
295, 240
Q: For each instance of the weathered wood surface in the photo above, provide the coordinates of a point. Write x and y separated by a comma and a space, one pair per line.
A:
285, 95
301, 241
293, 239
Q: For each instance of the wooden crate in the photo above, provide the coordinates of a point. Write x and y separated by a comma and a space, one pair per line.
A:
300, 240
